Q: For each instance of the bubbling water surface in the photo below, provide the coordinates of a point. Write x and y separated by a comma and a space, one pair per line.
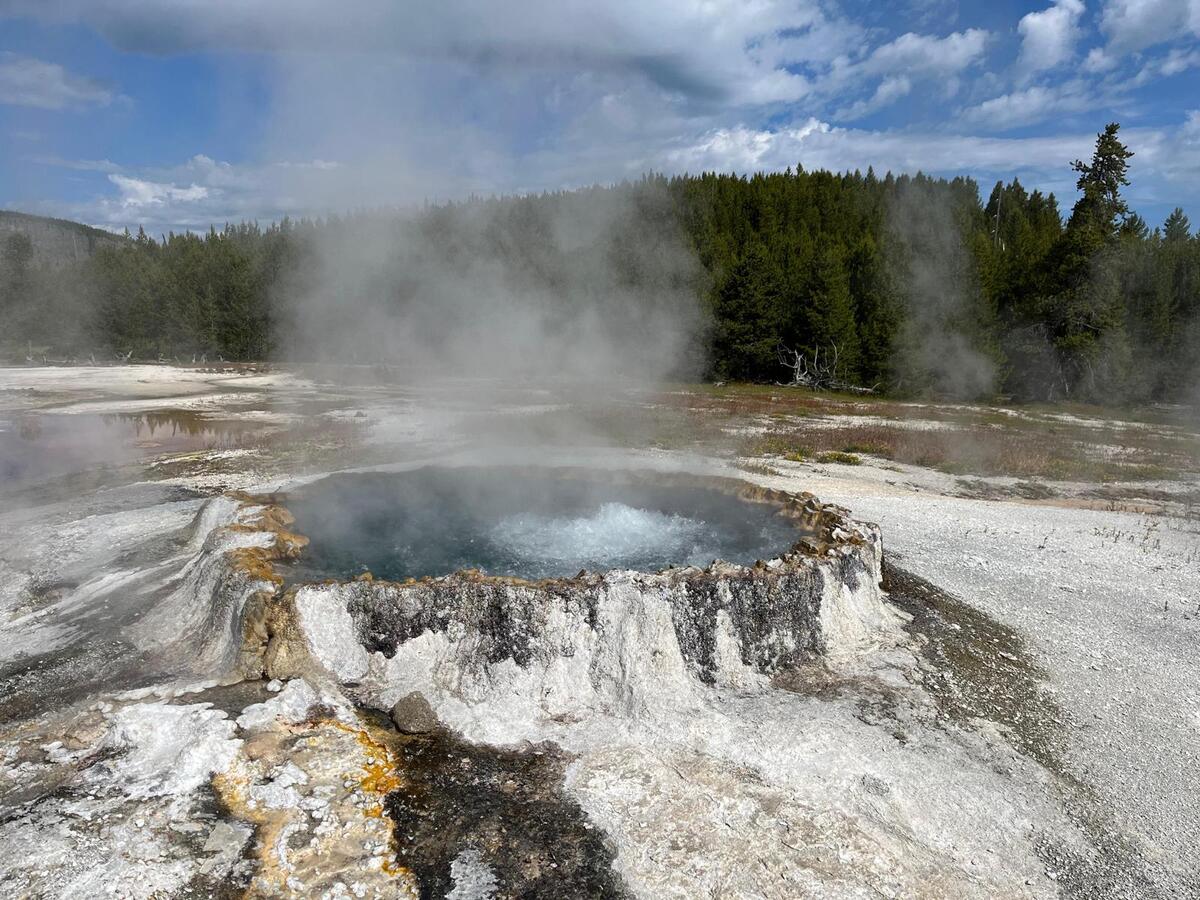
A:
522, 523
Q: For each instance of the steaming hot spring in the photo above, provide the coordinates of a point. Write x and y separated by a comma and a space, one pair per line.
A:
565, 587
552, 645
521, 624
493, 675
520, 523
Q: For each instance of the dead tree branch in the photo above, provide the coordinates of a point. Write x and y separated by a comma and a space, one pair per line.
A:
818, 370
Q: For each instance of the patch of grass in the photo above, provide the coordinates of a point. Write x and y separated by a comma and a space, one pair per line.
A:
867, 449
757, 468
781, 445
839, 457
1037, 452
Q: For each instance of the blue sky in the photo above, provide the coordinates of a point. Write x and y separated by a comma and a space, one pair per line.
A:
178, 113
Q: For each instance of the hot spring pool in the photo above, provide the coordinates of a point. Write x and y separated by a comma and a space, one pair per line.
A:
525, 523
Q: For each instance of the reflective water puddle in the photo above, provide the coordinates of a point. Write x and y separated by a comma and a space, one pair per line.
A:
35, 447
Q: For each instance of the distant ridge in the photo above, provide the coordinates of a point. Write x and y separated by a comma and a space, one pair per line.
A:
56, 241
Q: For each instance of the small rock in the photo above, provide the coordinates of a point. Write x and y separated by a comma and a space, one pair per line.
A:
275, 686
876, 786
412, 714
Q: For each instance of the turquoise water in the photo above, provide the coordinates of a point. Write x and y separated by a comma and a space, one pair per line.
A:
434, 521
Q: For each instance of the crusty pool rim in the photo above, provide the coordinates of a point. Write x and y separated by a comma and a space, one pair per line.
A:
778, 609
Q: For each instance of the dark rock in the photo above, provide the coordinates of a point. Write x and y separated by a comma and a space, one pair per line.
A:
412, 714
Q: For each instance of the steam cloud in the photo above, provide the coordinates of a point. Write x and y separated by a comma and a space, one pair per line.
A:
596, 286
938, 348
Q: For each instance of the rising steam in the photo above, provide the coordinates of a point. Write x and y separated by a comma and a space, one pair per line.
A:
939, 347
597, 286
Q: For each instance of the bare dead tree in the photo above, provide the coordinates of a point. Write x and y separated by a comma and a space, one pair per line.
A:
808, 370
817, 370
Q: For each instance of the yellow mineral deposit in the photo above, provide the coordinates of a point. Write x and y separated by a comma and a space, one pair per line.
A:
315, 793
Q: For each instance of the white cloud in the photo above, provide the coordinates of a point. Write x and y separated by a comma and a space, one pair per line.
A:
1034, 104
137, 194
203, 191
1133, 25
711, 53
1166, 165
1179, 61
379, 102
1174, 62
889, 91
1048, 37
1098, 61
1175, 157
742, 149
912, 54
818, 145
899, 65
737, 50
25, 81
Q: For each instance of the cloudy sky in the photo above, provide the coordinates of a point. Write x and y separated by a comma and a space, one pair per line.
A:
180, 113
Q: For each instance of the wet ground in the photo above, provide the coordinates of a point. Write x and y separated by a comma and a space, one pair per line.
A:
506, 808
503, 812
37, 448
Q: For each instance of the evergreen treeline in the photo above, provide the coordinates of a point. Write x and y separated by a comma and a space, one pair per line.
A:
919, 284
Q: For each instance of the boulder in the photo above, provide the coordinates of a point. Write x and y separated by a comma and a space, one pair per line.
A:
412, 714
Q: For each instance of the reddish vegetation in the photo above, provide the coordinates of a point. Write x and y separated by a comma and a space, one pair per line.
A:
1060, 443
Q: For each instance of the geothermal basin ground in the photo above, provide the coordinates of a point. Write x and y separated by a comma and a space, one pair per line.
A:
950, 650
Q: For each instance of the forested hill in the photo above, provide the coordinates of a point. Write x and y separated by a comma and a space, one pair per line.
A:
921, 285
55, 242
